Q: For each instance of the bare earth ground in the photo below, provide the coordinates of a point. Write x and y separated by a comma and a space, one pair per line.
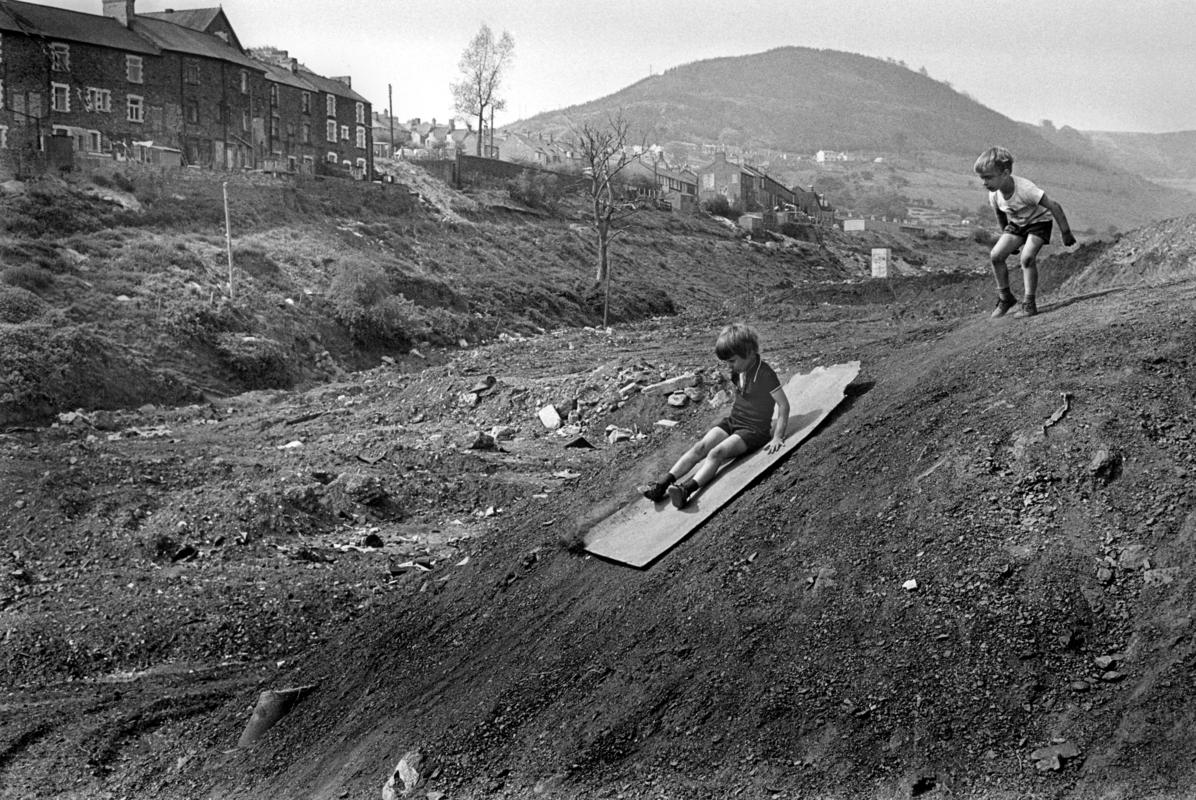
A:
162, 567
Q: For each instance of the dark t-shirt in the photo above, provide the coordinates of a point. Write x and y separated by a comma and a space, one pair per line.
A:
754, 405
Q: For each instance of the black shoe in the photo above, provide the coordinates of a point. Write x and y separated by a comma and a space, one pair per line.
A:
680, 495
655, 491
1004, 303
1029, 308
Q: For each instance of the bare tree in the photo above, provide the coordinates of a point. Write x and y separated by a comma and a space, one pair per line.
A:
604, 152
482, 66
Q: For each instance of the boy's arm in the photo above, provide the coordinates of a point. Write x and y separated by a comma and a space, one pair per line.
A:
1002, 220
1061, 218
780, 420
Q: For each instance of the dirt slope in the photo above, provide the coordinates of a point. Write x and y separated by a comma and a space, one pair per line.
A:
777, 653
162, 567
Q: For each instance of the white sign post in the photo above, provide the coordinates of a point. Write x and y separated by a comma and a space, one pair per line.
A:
880, 262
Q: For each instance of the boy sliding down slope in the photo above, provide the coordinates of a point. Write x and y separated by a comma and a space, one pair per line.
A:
750, 425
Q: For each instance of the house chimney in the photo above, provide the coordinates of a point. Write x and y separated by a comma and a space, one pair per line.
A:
295, 66
119, 10
345, 79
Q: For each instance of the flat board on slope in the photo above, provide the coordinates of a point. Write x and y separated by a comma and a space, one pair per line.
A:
642, 531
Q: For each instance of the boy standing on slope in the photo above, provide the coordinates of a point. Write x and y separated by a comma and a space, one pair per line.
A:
750, 426
1025, 215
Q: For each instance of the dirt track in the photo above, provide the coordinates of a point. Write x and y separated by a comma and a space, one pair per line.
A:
775, 653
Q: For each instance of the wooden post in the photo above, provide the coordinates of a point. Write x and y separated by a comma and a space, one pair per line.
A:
228, 242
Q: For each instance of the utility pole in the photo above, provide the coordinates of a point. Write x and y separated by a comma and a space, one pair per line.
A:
228, 242
390, 98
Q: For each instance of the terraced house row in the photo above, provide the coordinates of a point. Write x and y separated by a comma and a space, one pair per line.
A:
170, 87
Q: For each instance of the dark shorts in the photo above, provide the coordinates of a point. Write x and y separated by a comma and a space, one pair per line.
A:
754, 439
1040, 229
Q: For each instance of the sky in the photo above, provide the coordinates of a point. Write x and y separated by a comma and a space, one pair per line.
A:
1089, 64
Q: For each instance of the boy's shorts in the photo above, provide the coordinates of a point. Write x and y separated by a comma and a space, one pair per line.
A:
1041, 229
754, 439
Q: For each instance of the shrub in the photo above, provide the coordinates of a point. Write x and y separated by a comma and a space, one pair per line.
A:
720, 206
260, 363
19, 305
534, 188
29, 277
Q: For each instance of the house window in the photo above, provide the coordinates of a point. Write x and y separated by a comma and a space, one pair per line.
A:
331, 105
93, 142
290, 130
361, 164
305, 133
344, 133
305, 102
332, 157
99, 100
274, 94
3, 137
193, 111
361, 113
708, 181
273, 127
360, 137
60, 97
331, 131
135, 108
244, 81
191, 71
133, 69
60, 57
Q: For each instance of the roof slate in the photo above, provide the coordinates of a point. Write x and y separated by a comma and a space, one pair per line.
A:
71, 26
176, 38
197, 19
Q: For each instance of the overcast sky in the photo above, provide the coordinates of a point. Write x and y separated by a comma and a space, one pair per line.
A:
1090, 64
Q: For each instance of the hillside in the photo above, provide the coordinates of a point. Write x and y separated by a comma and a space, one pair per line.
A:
114, 289
400, 543
799, 100
1166, 158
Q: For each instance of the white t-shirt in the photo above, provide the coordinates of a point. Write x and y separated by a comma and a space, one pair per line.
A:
1021, 207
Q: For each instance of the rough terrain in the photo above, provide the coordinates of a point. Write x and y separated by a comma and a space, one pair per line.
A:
403, 543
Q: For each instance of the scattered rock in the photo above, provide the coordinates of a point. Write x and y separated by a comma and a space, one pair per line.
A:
678, 400
672, 384
1053, 756
550, 417
407, 773
1105, 466
483, 441
272, 705
615, 434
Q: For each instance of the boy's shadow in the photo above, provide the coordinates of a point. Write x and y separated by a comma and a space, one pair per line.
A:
1053, 307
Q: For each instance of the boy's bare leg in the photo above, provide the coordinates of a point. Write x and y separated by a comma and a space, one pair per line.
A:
1030, 264
1003, 249
731, 447
699, 451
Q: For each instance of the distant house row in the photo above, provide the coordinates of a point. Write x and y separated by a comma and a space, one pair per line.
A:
745, 188
174, 86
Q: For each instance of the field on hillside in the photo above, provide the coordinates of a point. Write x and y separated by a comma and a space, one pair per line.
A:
399, 544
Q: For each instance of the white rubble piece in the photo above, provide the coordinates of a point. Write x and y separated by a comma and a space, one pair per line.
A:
550, 417
676, 384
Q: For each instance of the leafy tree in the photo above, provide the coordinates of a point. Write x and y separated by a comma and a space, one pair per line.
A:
482, 66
